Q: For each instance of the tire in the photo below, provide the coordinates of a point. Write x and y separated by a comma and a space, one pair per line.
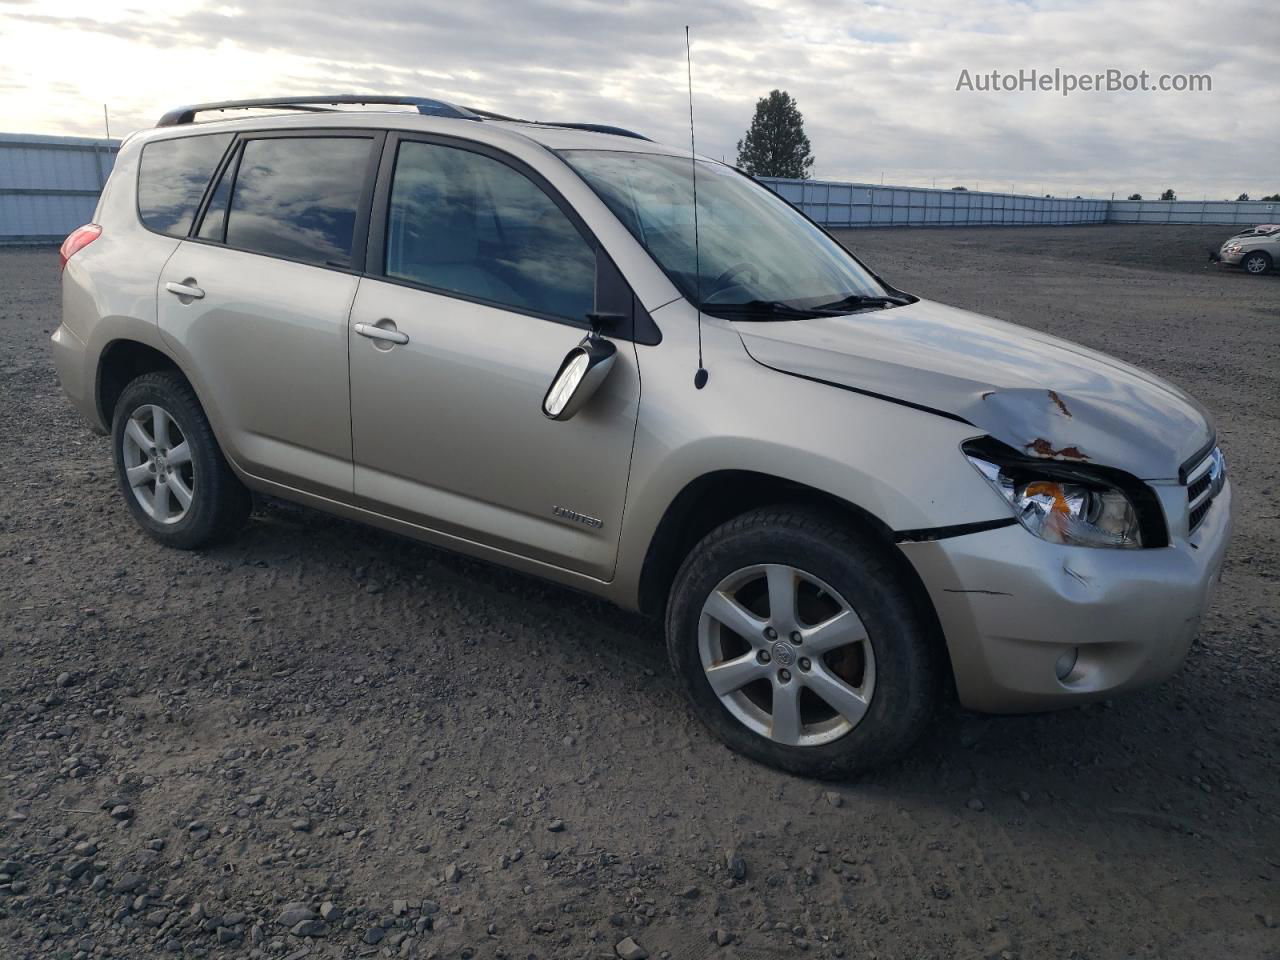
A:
1256, 263
895, 669
191, 461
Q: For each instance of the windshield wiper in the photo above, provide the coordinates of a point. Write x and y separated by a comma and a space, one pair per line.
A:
856, 301
771, 309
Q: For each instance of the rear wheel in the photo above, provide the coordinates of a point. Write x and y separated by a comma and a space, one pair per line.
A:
1256, 262
798, 644
173, 476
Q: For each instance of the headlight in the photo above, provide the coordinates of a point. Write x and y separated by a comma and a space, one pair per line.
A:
1234, 248
1069, 510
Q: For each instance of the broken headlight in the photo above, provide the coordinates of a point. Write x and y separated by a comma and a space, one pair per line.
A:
1062, 505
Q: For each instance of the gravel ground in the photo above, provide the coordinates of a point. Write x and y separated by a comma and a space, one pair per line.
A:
322, 740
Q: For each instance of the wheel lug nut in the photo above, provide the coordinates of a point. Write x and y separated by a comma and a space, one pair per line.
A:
784, 675
763, 656
770, 633
795, 636
804, 663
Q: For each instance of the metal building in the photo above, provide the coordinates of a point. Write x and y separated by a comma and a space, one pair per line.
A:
50, 185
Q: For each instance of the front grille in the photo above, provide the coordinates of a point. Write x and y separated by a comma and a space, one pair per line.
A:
1198, 514
1197, 487
1203, 484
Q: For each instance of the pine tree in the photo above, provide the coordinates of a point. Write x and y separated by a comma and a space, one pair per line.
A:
776, 145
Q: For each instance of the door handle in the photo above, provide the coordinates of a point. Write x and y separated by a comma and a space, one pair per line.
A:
184, 290
378, 333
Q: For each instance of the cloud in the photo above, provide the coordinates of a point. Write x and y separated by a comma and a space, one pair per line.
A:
876, 81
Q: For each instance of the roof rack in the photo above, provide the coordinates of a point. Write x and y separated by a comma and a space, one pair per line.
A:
325, 104
318, 104
591, 127
595, 128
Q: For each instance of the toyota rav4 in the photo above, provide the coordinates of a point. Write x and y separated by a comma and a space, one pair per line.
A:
530, 343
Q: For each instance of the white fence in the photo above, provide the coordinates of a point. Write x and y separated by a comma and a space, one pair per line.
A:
49, 185
1246, 212
835, 204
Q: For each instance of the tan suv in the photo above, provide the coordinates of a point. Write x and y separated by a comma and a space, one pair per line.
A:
515, 340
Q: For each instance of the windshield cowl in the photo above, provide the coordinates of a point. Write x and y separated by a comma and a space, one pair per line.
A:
782, 310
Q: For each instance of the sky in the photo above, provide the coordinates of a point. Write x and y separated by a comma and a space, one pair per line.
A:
876, 82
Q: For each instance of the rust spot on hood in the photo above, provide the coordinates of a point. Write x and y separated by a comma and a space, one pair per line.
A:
1043, 448
1057, 402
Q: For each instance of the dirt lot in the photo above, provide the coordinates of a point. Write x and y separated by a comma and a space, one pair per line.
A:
201, 750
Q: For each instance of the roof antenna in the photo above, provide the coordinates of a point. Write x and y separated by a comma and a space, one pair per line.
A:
699, 378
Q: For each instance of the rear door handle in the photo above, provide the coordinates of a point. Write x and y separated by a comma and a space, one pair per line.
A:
184, 290
379, 333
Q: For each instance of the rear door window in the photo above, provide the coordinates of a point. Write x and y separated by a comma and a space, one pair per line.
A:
172, 177
298, 198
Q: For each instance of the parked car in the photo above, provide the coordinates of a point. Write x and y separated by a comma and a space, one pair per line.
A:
1254, 251
508, 339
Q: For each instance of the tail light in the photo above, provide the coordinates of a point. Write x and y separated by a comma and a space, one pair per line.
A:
79, 238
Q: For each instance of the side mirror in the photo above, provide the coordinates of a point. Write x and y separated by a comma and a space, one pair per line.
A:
581, 374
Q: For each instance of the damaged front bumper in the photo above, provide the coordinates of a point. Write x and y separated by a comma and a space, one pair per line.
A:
1032, 625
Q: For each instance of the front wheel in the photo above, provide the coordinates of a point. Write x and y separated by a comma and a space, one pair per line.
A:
173, 476
798, 644
1256, 263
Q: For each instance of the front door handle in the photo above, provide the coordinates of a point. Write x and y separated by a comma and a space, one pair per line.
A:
185, 289
374, 332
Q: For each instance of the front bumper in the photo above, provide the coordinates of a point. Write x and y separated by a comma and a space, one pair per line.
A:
1012, 605
1230, 259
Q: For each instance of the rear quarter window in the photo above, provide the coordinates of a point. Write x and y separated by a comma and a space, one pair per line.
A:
172, 177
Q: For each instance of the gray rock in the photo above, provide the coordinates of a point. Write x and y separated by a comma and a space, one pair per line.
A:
452, 873
129, 883
330, 912
628, 949
77, 868
833, 798
310, 928
722, 937
556, 825
373, 935
734, 863
976, 804
294, 913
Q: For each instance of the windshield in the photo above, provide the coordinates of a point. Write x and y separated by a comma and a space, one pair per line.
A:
754, 251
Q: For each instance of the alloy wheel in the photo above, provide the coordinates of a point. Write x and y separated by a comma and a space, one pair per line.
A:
788, 656
158, 465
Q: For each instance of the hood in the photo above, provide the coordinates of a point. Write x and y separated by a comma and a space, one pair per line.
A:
1047, 397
